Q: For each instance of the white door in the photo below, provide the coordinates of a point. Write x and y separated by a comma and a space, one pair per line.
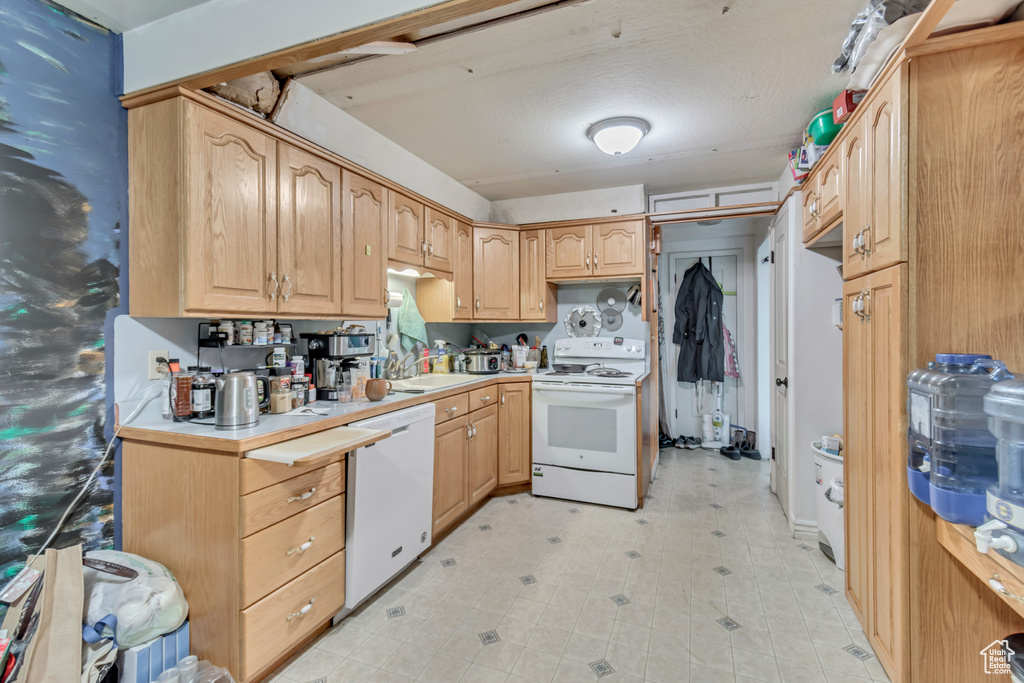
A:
780, 364
690, 400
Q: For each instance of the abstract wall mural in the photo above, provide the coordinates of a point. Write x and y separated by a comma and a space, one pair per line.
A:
63, 194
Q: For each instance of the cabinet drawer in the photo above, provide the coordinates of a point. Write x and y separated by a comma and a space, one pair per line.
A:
277, 622
259, 474
270, 505
481, 398
275, 556
451, 407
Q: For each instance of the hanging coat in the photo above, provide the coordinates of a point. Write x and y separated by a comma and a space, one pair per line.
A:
698, 329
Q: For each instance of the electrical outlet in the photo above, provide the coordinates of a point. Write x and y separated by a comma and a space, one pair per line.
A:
154, 367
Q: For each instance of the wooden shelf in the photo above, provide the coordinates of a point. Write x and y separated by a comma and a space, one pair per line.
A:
958, 539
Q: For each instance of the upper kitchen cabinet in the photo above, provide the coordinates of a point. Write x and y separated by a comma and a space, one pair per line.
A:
364, 261
439, 237
618, 248
568, 252
406, 243
495, 274
602, 250
309, 233
445, 301
884, 238
536, 295
205, 196
858, 196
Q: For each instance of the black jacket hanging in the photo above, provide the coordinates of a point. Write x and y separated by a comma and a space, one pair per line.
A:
698, 329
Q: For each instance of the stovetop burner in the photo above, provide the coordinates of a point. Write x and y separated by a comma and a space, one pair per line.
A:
607, 372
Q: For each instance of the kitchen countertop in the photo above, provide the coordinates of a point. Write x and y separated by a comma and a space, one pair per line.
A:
150, 426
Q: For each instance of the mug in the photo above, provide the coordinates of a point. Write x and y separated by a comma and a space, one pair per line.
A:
377, 389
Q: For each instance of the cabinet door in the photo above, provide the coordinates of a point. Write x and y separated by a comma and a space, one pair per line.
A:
495, 274
405, 230
440, 238
533, 295
568, 252
810, 213
618, 248
451, 489
309, 233
885, 238
855, 218
483, 453
514, 433
364, 220
462, 275
857, 452
830, 204
232, 226
886, 311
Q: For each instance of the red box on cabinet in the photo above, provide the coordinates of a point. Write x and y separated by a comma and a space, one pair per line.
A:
845, 103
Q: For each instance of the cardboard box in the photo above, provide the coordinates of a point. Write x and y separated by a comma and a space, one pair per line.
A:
845, 103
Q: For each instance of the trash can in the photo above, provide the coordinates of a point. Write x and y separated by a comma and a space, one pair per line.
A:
828, 499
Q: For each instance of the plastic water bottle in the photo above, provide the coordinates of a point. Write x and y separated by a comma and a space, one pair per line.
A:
1004, 502
951, 453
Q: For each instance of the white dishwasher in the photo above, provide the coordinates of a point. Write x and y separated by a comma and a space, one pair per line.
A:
389, 501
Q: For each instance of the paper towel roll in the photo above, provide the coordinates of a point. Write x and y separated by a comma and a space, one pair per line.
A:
394, 299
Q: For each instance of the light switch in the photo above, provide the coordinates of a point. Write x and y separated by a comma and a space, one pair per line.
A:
367, 249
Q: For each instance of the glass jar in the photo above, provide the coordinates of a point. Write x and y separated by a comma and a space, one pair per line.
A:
204, 390
280, 395
181, 395
300, 386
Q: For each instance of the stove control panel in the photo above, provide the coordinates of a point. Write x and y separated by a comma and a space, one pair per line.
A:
611, 348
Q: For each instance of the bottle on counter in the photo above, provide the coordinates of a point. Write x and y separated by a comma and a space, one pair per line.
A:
311, 394
203, 392
280, 395
181, 393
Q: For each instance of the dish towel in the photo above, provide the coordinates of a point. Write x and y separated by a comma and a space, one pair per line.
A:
411, 328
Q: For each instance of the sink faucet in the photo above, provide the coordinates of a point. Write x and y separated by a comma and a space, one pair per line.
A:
397, 369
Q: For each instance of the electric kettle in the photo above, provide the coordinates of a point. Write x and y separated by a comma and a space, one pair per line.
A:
237, 405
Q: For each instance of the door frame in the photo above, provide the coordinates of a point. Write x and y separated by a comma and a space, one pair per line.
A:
746, 282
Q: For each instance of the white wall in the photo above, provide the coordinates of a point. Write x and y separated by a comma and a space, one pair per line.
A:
612, 201
309, 115
223, 32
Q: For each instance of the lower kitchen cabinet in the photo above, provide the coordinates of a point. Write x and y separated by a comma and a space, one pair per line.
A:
514, 433
483, 453
451, 488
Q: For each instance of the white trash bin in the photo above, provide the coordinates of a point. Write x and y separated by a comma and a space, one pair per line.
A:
828, 499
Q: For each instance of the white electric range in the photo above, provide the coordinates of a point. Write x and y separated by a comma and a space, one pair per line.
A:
584, 422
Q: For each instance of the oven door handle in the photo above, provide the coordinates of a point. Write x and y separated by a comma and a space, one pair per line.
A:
600, 390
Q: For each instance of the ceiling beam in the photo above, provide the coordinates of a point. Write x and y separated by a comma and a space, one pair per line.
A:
382, 30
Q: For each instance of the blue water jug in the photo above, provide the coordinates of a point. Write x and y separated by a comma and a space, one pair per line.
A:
951, 453
1004, 532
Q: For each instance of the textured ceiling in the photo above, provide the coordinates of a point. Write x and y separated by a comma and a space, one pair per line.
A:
505, 109
124, 15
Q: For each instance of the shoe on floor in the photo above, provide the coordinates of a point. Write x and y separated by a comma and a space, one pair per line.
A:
751, 453
730, 452
681, 442
693, 442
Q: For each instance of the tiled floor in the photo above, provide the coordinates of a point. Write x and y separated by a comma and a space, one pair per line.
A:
703, 584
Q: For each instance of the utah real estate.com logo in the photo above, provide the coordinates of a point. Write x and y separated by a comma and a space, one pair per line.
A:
997, 657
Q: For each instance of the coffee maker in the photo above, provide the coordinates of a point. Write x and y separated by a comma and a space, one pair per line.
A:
333, 352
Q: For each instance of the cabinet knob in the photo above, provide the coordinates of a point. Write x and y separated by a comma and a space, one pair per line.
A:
782, 382
588, 261
302, 548
304, 496
288, 294
387, 295
485, 398
540, 304
595, 260
502, 398
458, 301
301, 612
864, 240
478, 303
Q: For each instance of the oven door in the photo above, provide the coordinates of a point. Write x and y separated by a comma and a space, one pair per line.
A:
585, 426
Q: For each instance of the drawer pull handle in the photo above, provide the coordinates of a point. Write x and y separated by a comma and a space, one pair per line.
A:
485, 398
301, 612
998, 587
304, 496
451, 410
302, 548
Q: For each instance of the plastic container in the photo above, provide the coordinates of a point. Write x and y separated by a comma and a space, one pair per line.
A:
829, 502
1004, 501
949, 443
823, 127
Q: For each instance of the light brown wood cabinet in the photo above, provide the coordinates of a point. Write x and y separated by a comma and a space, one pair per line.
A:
364, 261
536, 296
439, 236
830, 195
810, 210
451, 483
405, 229
483, 453
613, 249
309, 234
877, 506
858, 197
231, 221
514, 433
462, 273
495, 274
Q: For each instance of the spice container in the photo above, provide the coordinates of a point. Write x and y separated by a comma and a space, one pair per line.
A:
280, 395
300, 387
203, 391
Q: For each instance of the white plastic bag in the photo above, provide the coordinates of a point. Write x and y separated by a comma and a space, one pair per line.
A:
145, 607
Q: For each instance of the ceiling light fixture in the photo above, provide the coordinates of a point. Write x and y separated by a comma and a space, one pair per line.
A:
618, 135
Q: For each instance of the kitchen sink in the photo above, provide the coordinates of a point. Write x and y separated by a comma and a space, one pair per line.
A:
428, 382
